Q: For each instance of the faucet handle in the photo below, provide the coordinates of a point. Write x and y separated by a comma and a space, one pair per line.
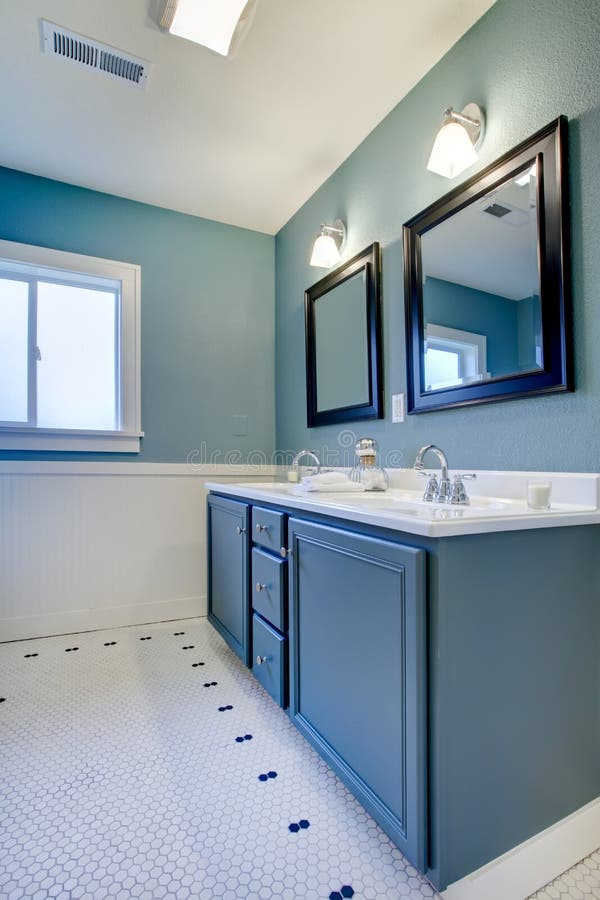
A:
458, 494
432, 487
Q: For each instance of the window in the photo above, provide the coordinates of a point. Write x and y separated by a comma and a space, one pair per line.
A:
453, 357
69, 351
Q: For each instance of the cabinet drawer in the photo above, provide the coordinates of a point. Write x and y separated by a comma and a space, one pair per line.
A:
268, 528
270, 647
268, 588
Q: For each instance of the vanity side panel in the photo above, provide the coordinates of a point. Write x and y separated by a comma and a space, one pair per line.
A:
514, 673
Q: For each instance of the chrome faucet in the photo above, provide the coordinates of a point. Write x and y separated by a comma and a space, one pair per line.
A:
442, 491
311, 455
438, 491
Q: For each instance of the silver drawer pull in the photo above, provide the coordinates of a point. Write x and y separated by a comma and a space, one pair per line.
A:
240, 530
260, 528
261, 659
260, 587
285, 552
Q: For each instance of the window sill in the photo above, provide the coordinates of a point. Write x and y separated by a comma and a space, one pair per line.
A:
16, 438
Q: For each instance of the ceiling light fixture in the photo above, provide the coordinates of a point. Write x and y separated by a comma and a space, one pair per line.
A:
216, 24
526, 177
328, 245
456, 143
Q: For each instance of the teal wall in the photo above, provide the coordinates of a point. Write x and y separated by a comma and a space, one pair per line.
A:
525, 63
207, 313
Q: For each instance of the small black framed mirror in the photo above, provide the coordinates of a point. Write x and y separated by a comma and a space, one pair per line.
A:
344, 380
487, 287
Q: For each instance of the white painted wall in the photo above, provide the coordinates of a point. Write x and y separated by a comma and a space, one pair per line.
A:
96, 545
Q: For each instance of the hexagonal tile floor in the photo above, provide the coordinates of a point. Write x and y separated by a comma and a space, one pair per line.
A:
582, 882
147, 762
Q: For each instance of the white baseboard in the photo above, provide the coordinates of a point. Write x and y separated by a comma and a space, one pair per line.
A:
527, 868
75, 621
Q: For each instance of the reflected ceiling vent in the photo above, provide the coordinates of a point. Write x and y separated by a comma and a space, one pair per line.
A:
495, 209
91, 54
510, 215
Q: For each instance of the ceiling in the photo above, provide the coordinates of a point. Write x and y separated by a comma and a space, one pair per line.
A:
245, 140
495, 255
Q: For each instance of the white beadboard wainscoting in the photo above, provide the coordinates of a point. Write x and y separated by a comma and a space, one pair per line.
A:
96, 545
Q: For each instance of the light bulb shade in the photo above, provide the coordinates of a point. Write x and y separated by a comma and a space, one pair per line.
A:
212, 23
452, 152
325, 252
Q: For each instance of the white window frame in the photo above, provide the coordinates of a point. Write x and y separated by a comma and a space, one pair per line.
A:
470, 348
126, 439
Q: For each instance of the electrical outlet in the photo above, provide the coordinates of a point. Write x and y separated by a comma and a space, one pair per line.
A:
397, 407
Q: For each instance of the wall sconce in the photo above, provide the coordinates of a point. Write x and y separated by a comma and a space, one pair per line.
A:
456, 143
216, 24
327, 247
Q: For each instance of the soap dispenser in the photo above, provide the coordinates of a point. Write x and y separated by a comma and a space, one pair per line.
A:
367, 471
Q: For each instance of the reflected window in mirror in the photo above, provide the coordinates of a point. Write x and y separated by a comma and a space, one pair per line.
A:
343, 342
486, 283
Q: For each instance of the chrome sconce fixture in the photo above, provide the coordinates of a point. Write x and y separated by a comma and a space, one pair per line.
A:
456, 143
328, 245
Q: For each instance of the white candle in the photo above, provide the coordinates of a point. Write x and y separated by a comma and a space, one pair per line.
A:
538, 494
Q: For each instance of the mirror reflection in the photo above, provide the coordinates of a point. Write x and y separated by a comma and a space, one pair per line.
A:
481, 288
343, 375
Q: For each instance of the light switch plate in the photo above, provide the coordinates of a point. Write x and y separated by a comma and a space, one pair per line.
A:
397, 408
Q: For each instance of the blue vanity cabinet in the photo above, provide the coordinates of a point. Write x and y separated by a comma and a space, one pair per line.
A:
229, 572
358, 669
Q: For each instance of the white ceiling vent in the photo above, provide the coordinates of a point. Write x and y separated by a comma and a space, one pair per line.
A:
92, 55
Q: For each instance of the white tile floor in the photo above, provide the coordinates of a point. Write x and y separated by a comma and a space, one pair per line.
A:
147, 762
581, 882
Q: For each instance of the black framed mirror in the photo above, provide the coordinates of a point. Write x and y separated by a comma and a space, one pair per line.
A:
487, 288
344, 380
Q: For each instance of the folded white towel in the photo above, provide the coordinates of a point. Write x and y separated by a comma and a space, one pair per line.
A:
346, 487
326, 478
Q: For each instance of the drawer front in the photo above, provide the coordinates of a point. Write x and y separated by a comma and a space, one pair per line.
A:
268, 528
271, 648
269, 588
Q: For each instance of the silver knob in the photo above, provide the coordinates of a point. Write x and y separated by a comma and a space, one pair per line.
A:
261, 659
260, 528
240, 530
260, 587
285, 551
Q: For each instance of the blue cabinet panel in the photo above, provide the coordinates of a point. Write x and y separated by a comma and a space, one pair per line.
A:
269, 588
228, 572
357, 664
270, 659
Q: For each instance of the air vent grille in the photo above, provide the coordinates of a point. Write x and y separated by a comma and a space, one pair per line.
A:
497, 210
92, 55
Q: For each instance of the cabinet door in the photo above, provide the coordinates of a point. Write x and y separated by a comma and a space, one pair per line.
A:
357, 665
228, 572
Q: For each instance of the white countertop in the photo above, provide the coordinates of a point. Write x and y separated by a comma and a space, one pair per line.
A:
497, 503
